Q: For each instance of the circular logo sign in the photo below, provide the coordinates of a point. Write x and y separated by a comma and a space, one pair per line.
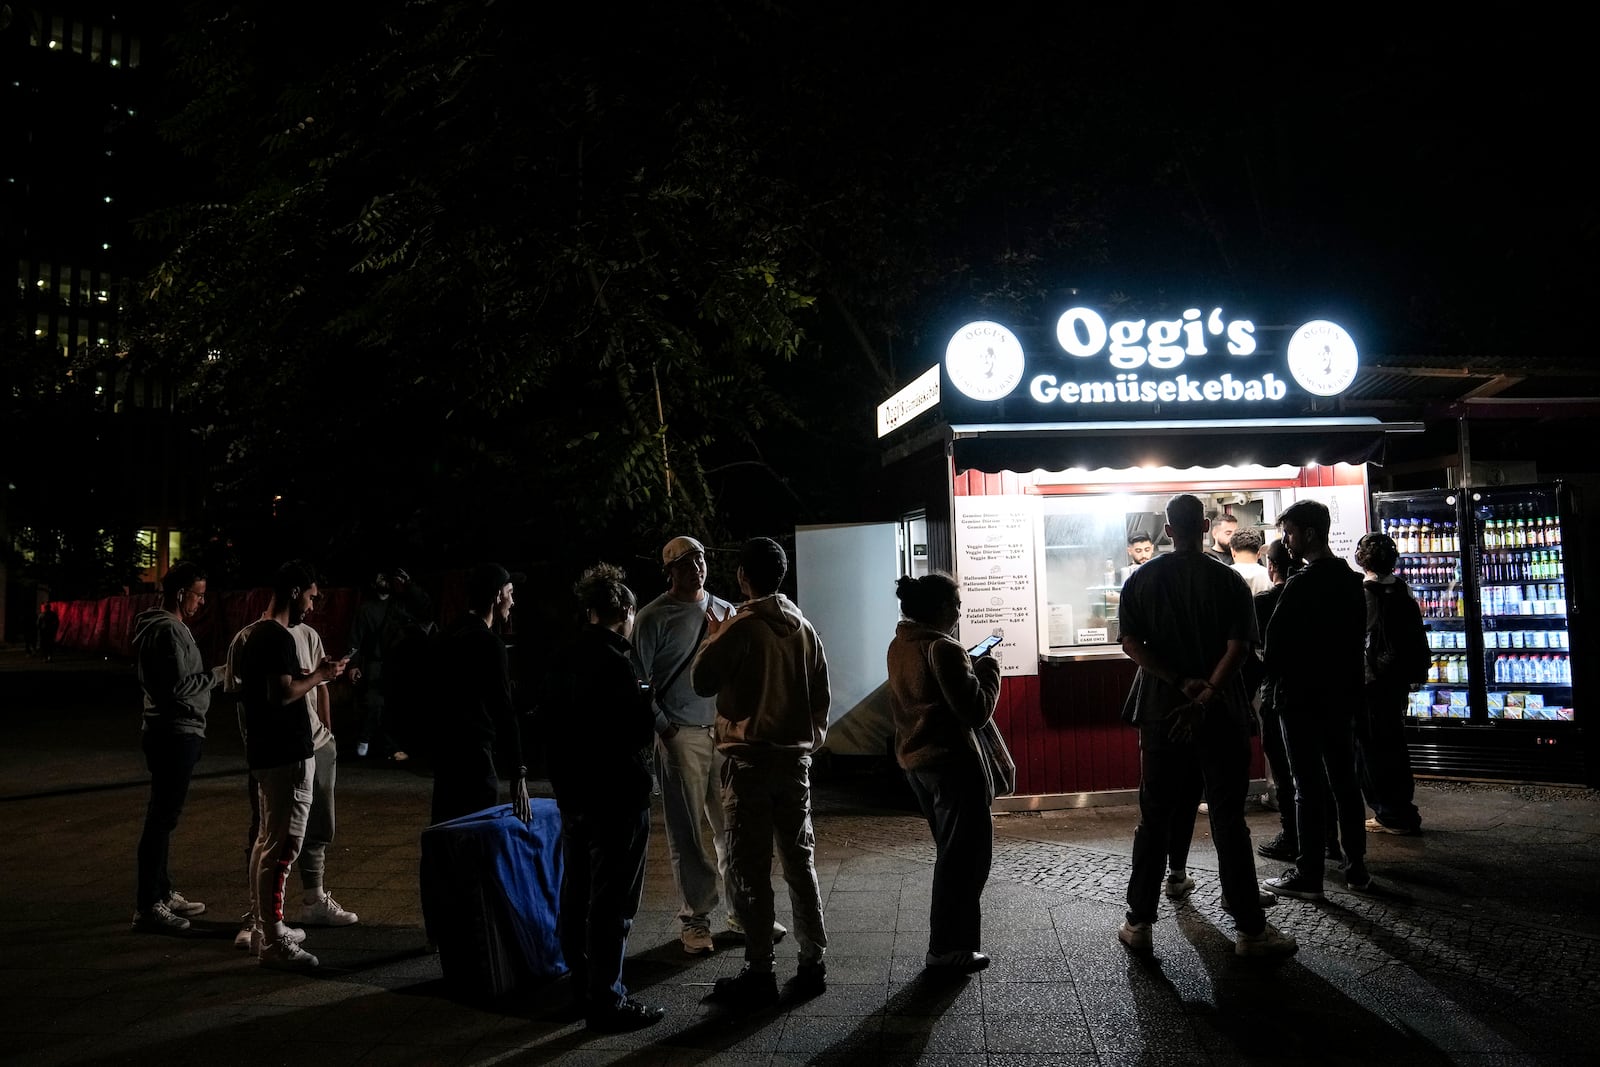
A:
1322, 358
984, 360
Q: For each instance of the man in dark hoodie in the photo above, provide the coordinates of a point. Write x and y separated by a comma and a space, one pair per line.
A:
766, 667
177, 694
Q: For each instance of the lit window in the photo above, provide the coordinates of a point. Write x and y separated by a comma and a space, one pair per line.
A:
99, 340
41, 283
108, 200
38, 333
106, 246
116, 62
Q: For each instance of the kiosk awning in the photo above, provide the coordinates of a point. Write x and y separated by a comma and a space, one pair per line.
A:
1205, 443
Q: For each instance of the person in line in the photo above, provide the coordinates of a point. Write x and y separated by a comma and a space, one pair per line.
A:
273, 687
1316, 649
766, 668
666, 636
938, 695
49, 626
378, 624
1188, 623
1246, 546
600, 770
1222, 527
475, 676
177, 694
1141, 550
1397, 657
319, 908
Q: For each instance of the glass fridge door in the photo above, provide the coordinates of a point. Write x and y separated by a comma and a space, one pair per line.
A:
1521, 576
1426, 527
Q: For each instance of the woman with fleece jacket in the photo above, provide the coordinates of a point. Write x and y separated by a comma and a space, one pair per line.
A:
939, 695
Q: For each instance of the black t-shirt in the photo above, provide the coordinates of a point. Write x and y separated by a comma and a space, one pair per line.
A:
276, 733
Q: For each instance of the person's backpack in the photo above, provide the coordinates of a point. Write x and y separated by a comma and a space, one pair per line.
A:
1397, 641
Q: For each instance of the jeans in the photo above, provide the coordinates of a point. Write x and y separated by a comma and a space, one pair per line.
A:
319, 824
603, 879
1221, 754
464, 781
955, 802
1382, 759
1321, 746
171, 759
767, 800
285, 796
689, 770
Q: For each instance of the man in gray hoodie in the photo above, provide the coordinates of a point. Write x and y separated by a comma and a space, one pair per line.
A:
177, 694
766, 668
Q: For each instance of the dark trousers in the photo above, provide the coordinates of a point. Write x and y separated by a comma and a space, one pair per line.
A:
1321, 746
602, 881
374, 730
1221, 754
956, 804
1383, 761
1181, 834
171, 759
464, 781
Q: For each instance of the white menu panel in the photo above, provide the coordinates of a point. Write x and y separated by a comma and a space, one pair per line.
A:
995, 564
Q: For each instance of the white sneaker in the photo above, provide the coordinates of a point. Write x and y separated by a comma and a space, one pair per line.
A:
1178, 888
1269, 942
186, 908
697, 941
327, 912
1137, 937
159, 919
285, 954
779, 931
247, 927
258, 937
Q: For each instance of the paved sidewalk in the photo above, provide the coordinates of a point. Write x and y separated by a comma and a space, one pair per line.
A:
1486, 950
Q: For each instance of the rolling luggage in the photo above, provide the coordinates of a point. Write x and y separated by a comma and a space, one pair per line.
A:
490, 893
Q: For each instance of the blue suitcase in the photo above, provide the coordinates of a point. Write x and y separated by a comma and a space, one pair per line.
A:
490, 895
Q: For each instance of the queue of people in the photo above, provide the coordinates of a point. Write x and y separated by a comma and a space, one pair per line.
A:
721, 704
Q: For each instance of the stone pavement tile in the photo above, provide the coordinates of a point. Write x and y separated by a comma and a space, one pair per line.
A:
840, 998
837, 1036
391, 1055
1024, 998
723, 1031
878, 917
855, 970
910, 1035
1007, 967
861, 943
936, 997
1060, 1032
1044, 1059
696, 1058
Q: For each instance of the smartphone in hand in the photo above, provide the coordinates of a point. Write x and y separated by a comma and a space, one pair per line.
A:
984, 647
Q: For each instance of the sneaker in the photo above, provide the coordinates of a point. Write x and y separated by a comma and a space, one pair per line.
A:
955, 962
811, 979
1178, 887
1279, 848
158, 919
327, 912
779, 931
697, 941
1137, 937
257, 937
1356, 877
285, 954
625, 1017
1290, 884
1376, 827
1263, 898
247, 927
1204, 808
749, 990
1269, 942
186, 908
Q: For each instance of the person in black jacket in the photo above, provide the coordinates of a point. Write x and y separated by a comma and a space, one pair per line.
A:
1397, 655
473, 672
600, 739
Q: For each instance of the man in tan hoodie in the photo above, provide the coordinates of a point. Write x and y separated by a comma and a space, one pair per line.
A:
765, 666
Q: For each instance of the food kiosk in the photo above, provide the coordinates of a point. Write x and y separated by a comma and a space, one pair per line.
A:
1026, 458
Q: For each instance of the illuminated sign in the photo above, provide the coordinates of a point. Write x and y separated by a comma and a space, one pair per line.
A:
1194, 360
909, 402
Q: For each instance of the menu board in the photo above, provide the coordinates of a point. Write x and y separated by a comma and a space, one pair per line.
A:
1347, 514
995, 565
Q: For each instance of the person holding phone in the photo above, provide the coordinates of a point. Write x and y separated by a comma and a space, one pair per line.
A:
939, 694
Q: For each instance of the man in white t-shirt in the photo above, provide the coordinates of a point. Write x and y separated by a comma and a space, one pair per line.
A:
1246, 545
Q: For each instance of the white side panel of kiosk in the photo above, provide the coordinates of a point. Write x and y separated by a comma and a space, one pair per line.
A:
844, 578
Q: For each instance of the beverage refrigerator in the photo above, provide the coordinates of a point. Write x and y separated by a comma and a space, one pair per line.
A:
1490, 569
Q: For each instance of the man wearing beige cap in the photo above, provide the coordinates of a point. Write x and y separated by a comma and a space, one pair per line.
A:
666, 634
